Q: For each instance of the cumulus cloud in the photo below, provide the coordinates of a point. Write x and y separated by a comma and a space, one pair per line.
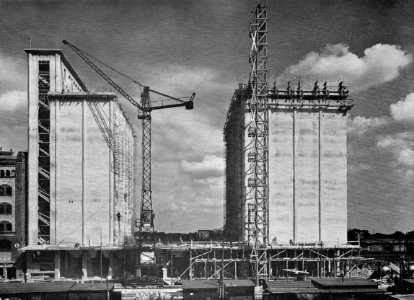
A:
380, 63
13, 101
210, 166
401, 145
403, 110
360, 125
12, 73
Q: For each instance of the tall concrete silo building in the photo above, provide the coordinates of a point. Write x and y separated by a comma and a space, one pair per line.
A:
307, 165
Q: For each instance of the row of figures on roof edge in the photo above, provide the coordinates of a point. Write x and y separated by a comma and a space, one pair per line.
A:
316, 91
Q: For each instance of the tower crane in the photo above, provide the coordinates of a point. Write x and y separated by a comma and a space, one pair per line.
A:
146, 221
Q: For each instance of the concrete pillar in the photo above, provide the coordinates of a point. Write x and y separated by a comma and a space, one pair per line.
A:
191, 273
111, 264
338, 264
83, 169
4, 271
66, 261
57, 265
111, 180
84, 265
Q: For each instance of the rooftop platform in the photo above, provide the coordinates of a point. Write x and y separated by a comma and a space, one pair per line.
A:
46, 52
69, 96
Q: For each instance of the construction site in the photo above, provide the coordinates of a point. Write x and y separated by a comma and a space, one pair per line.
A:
285, 206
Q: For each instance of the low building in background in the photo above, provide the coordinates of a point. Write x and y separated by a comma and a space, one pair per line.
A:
12, 212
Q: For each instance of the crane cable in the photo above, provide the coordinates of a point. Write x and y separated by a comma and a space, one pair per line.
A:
113, 69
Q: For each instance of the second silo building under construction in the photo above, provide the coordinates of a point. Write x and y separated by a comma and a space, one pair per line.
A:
306, 164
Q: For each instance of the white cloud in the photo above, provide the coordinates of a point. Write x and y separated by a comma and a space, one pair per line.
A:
12, 73
360, 125
403, 110
380, 63
210, 166
12, 101
401, 145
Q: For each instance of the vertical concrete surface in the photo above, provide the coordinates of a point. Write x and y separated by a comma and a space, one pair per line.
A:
306, 176
280, 177
333, 177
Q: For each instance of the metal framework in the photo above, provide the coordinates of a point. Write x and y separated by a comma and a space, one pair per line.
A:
147, 215
256, 198
44, 154
283, 261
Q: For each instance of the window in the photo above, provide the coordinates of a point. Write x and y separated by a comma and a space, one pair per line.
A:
5, 245
7, 173
5, 226
5, 209
2, 173
5, 190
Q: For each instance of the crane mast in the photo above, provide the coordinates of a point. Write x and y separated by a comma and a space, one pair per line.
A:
146, 222
146, 227
256, 198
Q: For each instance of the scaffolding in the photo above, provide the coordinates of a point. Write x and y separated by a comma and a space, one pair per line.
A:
256, 177
283, 261
44, 153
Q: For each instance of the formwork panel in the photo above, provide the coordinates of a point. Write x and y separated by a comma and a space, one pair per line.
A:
97, 187
68, 149
280, 177
306, 176
123, 167
334, 177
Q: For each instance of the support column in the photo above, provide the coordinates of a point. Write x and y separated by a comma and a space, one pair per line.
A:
294, 176
4, 271
110, 267
83, 170
319, 178
191, 273
111, 179
57, 265
84, 265
235, 269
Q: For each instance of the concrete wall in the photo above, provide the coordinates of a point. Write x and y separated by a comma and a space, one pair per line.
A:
80, 169
307, 172
307, 176
281, 177
62, 78
124, 173
333, 177
91, 182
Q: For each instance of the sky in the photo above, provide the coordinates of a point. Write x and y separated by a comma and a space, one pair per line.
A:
181, 46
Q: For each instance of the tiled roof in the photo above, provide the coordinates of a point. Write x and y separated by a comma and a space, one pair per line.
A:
7, 288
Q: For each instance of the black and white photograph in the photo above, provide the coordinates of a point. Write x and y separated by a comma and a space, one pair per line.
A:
206, 149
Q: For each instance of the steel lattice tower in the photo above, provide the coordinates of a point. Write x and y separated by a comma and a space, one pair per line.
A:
257, 174
147, 217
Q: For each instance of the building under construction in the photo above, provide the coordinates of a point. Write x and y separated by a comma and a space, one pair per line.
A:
307, 165
286, 171
80, 172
